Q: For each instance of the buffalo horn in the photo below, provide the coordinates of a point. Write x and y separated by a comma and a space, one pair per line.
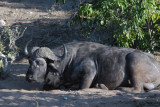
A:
64, 52
45, 52
25, 49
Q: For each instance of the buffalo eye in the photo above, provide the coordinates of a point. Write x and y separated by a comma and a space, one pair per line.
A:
30, 61
34, 65
39, 63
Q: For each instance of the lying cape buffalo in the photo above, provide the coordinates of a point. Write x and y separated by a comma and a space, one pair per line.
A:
43, 61
87, 64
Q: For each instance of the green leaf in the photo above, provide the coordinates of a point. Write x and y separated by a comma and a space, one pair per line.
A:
62, 1
127, 20
1, 64
102, 22
9, 55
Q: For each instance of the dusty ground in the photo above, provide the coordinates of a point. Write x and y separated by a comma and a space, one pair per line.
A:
16, 92
50, 28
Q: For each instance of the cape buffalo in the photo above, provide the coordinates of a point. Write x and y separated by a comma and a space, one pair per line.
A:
86, 66
43, 60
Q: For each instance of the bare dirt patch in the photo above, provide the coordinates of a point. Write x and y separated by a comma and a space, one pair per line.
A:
52, 29
16, 92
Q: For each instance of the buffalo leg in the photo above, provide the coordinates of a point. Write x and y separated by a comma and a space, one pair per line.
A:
137, 83
157, 83
135, 69
89, 72
135, 77
143, 71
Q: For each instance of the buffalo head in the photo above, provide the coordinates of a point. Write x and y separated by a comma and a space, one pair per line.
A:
40, 58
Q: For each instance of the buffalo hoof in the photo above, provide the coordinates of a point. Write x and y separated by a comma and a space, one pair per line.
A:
102, 86
74, 87
62, 87
149, 86
137, 91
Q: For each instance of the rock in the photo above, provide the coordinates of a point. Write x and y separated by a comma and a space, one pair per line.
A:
31, 13
2, 22
65, 98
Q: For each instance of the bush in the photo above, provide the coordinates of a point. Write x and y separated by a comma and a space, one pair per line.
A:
8, 49
132, 23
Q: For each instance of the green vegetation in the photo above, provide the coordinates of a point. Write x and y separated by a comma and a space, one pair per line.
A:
131, 23
8, 49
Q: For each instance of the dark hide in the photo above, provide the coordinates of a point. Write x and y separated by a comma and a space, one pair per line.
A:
41, 64
113, 67
103, 66
89, 64
144, 71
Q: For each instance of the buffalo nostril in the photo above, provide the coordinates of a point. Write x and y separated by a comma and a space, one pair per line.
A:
29, 77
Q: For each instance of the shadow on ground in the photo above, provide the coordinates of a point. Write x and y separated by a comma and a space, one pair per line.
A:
41, 5
15, 91
16, 79
83, 98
